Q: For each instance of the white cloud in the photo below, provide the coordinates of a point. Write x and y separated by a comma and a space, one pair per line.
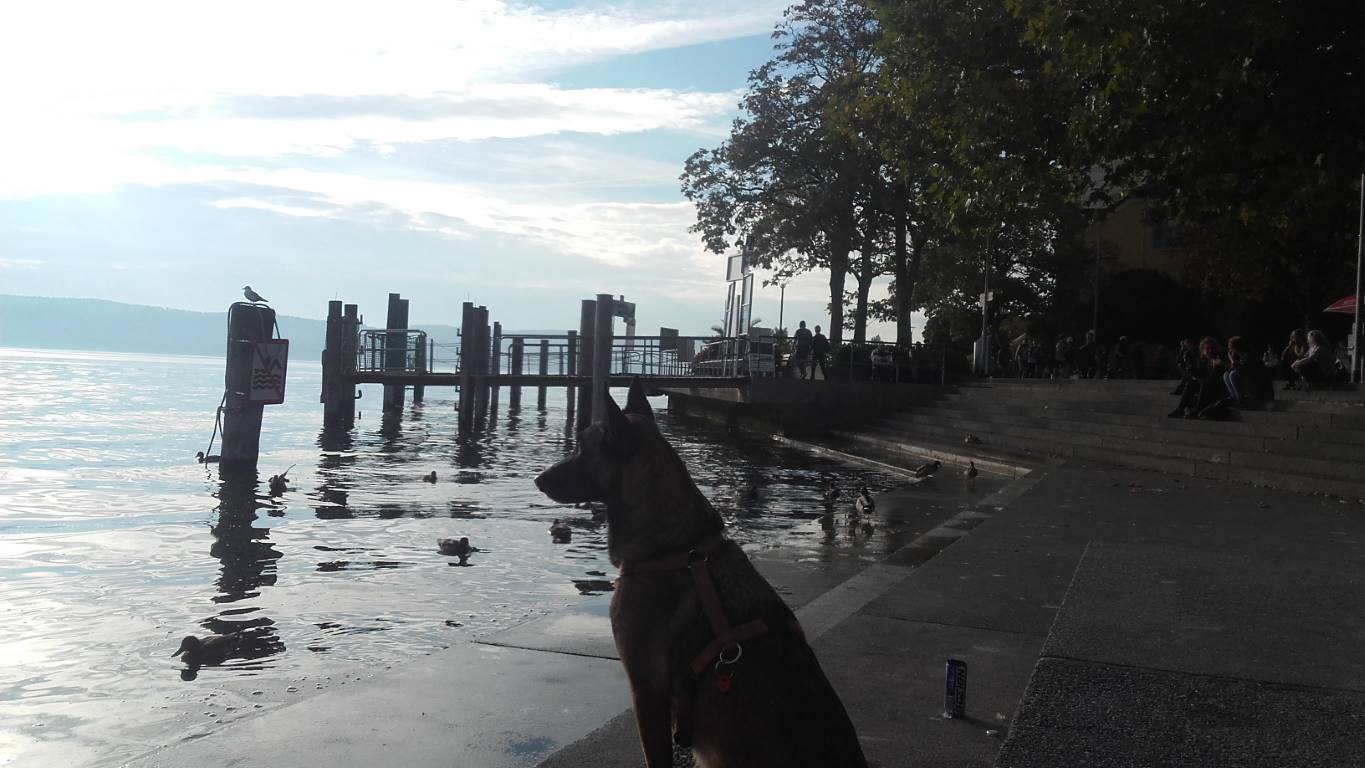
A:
20, 263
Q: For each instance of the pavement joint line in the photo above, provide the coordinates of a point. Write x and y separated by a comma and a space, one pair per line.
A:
1205, 675
909, 620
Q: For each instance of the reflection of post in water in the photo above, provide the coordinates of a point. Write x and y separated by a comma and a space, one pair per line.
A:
337, 457
391, 429
248, 559
469, 452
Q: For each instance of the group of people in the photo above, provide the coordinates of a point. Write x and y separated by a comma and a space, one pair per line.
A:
1216, 377
809, 349
1090, 359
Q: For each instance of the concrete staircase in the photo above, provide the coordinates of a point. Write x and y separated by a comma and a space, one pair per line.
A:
1303, 442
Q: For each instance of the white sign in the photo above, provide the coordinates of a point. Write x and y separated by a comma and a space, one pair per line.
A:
268, 363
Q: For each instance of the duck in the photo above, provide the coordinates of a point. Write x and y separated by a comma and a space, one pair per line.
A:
202, 459
429, 477
928, 470
864, 502
971, 440
560, 530
971, 474
278, 483
457, 547
208, 651
831, 493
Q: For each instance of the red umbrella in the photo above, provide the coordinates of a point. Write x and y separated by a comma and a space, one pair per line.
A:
1346, 306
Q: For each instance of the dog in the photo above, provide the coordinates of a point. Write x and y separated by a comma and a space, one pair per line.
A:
715, 659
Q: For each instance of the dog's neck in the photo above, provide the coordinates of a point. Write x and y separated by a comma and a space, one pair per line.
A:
646, 520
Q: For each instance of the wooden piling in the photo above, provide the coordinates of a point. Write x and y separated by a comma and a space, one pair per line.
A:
419, 361
395, 350
481, 351
467, 337
601, 355
495, 367
248, 324
518, 358
587, 322
335, 390
544, 370
569, 365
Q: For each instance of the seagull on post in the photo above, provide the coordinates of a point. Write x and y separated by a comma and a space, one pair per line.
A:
252, 296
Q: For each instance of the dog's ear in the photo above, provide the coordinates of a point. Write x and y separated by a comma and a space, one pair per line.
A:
616, 427
637, 403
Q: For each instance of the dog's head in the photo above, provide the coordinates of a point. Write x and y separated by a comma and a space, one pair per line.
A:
593, 472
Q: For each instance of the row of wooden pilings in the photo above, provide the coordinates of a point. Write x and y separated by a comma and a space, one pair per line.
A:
479, 367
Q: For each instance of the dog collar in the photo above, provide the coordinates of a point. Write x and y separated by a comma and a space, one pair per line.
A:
676, 562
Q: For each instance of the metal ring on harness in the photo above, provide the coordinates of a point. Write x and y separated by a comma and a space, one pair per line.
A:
720, 657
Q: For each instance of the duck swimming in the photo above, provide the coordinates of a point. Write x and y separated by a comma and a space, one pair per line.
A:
971, 474
928, 470
202, 459
278, 483
864, 502
560, 530
457, 547
209, 651
429, 478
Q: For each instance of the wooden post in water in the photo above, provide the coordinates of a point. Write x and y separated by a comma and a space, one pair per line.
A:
336, 397
481, 352
587, 322
467, 337
544, 370
495, 365
248, 324
419, 361
569, 365
395, 351
601, 355
518, 358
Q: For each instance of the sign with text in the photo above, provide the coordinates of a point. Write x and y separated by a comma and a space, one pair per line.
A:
269, 360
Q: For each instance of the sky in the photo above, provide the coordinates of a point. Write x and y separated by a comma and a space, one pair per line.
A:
523, 156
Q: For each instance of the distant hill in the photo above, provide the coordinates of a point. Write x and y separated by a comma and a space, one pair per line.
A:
109, 326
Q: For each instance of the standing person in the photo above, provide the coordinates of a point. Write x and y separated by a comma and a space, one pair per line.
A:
1187, 360
1085, 356
802, 338
819, 347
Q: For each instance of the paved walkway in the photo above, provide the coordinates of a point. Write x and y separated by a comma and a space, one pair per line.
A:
1107, 617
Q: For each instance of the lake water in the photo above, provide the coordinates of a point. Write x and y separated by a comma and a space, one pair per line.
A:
115, 543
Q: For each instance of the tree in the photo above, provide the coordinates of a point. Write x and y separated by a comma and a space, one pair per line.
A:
1242, 122
788, 184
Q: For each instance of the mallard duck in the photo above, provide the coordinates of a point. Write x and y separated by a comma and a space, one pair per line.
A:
971, 474
208, 651
560, 530
457, 547
864, 502
430, 477
278, 483
202, 459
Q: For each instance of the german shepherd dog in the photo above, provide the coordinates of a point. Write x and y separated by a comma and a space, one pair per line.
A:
715, 659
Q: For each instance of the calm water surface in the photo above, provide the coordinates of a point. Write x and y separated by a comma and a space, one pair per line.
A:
115, 543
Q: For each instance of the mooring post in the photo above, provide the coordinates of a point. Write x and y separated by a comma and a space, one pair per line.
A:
335, 390
350, 358
587, 322
395, 350
466, 363
419, 361
248, 325
601, 354
544, 370
518, 358
481, 352
568, 364
496, 367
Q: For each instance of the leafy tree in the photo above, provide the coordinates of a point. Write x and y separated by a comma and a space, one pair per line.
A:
787, 183
1242, 121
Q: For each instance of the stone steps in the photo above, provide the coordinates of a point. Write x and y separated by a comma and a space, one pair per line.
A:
1314, 444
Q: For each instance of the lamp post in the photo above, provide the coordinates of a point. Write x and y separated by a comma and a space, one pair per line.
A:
1356, 369
781, 303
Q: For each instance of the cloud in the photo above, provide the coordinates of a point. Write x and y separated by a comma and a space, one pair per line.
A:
21, 263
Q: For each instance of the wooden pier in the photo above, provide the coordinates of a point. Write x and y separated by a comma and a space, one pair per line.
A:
585, 361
